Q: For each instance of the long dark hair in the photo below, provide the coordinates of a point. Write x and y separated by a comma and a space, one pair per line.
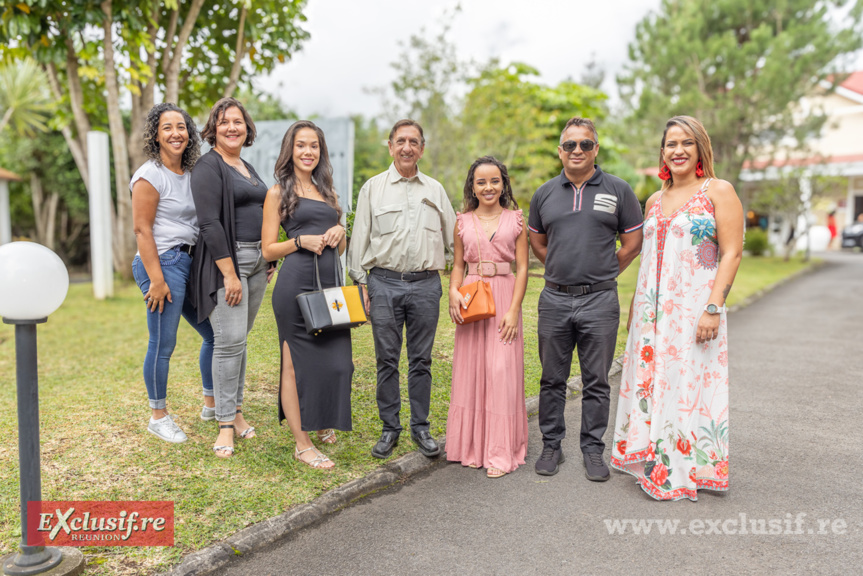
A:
151, 135
286, 177
471, 202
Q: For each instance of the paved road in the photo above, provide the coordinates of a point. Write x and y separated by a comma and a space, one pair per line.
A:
796, 453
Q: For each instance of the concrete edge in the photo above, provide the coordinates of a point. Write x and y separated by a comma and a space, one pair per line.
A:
257, 536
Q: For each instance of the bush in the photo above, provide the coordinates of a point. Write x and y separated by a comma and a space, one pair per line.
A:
756, 242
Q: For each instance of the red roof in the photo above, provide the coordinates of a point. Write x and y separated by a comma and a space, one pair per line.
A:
854, 82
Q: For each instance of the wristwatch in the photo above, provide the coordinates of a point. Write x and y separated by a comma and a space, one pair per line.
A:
714, 309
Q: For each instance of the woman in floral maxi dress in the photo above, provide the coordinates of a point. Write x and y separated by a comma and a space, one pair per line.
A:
672, 417
487, 420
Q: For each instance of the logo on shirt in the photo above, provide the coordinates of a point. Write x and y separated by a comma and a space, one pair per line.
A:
605, 203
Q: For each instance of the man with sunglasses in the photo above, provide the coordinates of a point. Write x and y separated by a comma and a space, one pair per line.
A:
575, 220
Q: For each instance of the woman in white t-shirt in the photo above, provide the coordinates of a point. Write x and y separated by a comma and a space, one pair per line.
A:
166, 229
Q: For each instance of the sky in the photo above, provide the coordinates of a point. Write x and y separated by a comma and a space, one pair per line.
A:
353, 43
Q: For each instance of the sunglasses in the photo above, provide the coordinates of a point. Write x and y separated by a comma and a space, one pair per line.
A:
570, 145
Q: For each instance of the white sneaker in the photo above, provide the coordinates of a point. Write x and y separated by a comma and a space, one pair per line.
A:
166, 429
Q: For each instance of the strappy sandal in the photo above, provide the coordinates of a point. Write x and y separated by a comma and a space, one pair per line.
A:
327, 436
248, 432
495, 473
317, 463
228, 449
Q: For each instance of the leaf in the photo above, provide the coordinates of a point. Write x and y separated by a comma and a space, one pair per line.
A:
23, 7
701, 457
648, 468
642, 404
666, 460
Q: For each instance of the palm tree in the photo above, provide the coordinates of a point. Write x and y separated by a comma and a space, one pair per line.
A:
24, 99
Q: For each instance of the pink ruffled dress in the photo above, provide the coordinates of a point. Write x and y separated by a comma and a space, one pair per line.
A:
487, 421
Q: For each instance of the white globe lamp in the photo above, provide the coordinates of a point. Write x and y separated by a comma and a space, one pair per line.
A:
33, 284
33, 281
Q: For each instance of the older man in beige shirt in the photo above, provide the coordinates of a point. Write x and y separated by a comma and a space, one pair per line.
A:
403, 223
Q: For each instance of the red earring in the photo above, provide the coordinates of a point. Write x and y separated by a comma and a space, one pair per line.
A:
699, 169
664, 172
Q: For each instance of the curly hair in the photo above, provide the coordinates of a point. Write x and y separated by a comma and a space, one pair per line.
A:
322, 175
151, 135
471, 202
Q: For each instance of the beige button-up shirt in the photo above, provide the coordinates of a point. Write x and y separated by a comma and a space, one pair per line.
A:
401, 224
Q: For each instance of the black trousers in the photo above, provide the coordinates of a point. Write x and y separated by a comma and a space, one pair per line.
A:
414, 307
588, 323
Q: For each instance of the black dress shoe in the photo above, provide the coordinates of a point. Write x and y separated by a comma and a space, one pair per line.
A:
426, 444
384, 447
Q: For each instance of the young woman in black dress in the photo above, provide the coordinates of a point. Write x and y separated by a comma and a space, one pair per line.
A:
316, 371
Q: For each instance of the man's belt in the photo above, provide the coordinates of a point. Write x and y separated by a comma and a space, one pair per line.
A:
188, 249
403, 276
487, 268
583, 289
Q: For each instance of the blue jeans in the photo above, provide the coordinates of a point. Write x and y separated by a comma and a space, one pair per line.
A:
163, 326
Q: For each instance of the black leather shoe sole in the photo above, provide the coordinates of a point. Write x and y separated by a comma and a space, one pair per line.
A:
425, 451
385, 454
556, 468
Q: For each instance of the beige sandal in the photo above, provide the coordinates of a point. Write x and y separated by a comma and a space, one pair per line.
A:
327, 436
317, 463
495, 473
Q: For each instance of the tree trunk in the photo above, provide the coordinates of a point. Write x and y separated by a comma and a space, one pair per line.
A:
122, 220
44, 213
143, 102
172, 72
239, 53
76, 146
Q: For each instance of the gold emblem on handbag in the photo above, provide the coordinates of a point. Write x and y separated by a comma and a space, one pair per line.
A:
336, 308
477, 295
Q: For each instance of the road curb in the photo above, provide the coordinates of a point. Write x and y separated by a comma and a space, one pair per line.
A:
212, 558
257, 536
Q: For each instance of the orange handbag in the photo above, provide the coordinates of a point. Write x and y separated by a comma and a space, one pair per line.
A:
480, 301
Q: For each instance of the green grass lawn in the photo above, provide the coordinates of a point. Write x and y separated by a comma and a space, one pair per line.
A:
94, 411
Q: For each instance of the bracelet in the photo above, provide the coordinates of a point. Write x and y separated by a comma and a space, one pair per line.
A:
297, 243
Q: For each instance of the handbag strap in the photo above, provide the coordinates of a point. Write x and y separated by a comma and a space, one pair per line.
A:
337, 268
478, 242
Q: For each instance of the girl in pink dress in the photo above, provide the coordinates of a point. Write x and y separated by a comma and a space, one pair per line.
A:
487, 421
672, 415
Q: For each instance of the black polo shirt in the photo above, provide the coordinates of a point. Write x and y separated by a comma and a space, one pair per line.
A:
582, 225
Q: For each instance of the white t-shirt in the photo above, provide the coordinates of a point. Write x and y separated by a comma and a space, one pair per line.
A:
176, 221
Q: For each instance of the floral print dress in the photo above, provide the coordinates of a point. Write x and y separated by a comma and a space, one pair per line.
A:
671, 431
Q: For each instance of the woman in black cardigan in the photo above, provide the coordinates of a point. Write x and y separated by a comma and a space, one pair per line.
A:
230, 275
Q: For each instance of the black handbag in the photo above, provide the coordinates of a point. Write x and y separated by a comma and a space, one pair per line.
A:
337, 308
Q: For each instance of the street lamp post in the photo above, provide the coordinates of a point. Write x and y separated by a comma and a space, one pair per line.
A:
33, 284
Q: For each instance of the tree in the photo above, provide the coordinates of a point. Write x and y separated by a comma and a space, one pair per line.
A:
99, 54
741, 67
519, 121
51, 204
429, 76
24, 101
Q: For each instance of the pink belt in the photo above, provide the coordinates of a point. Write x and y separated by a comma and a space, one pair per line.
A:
486, 268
